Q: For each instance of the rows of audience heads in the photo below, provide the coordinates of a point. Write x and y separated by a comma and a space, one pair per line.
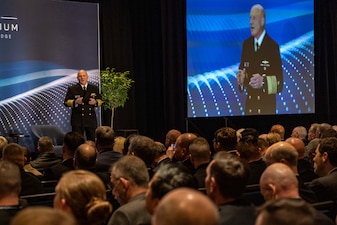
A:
183, 179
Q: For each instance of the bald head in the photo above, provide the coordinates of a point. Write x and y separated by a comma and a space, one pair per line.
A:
85, 157
277, 181
298, 145
185, 206
171, 137
282, 152
182, 146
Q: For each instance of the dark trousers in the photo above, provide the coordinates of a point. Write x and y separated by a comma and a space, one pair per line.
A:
88, 132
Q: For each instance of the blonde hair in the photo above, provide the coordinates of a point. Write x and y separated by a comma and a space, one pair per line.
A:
85, 194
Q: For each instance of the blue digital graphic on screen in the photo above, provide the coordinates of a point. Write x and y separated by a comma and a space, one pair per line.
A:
216, 30
43, 44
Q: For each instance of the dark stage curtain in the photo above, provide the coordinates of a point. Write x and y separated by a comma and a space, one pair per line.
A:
148, 38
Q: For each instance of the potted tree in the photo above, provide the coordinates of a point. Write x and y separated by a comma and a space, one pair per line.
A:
115, 86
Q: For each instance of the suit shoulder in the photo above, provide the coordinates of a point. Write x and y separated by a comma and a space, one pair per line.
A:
271, 41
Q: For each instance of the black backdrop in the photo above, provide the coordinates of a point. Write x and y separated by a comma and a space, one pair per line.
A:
148, 38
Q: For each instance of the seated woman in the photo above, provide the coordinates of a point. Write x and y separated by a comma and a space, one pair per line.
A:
82, 194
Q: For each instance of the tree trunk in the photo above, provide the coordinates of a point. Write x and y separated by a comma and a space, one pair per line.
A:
112, 117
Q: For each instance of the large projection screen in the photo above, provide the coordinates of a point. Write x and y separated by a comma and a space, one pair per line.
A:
216, 30
43, 44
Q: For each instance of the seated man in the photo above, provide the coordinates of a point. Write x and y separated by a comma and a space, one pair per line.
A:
284, 152
279, 181
143, 147
129, 178
304, 167
160, 156
85, 158
46, 157
10, 186
105, 140
286, 211
325, 165
30, 184
200, 155
185, 206
70, 143
226, 180
167, 178
225, 139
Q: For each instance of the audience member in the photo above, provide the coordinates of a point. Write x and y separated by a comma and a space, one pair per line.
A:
272, 138
143, 147
278, 181
119, 144
71, 142
167, 178
312, 131
43, 215
182, 152
225, 139
200, 155
301, 133
284, 152
310, 149
263, 145
85, 158
170, 140
185, 206
304, 167
286, 211
3, 143
83, 195
27, 167
171, 137
127, 142
30, 184
105, 139
321, 129
160, 156
226, 180
46, 157
328, 132
278, 128
129, 178
10, 185
251, 152
325, 165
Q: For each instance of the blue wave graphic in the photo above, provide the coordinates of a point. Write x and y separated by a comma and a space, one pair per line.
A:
215, 93
42, 104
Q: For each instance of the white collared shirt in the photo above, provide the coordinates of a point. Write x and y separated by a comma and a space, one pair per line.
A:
259, 41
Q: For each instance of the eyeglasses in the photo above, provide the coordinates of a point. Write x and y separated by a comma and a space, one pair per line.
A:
113, 182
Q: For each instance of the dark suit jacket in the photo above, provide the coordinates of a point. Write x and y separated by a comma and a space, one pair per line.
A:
326, 187
55, 172
200, 174
306, 192
238, 212
30, 184
132, 213
267, 62
83, 115
105, 158
44, 161
256, 170
306, 170
7, 213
